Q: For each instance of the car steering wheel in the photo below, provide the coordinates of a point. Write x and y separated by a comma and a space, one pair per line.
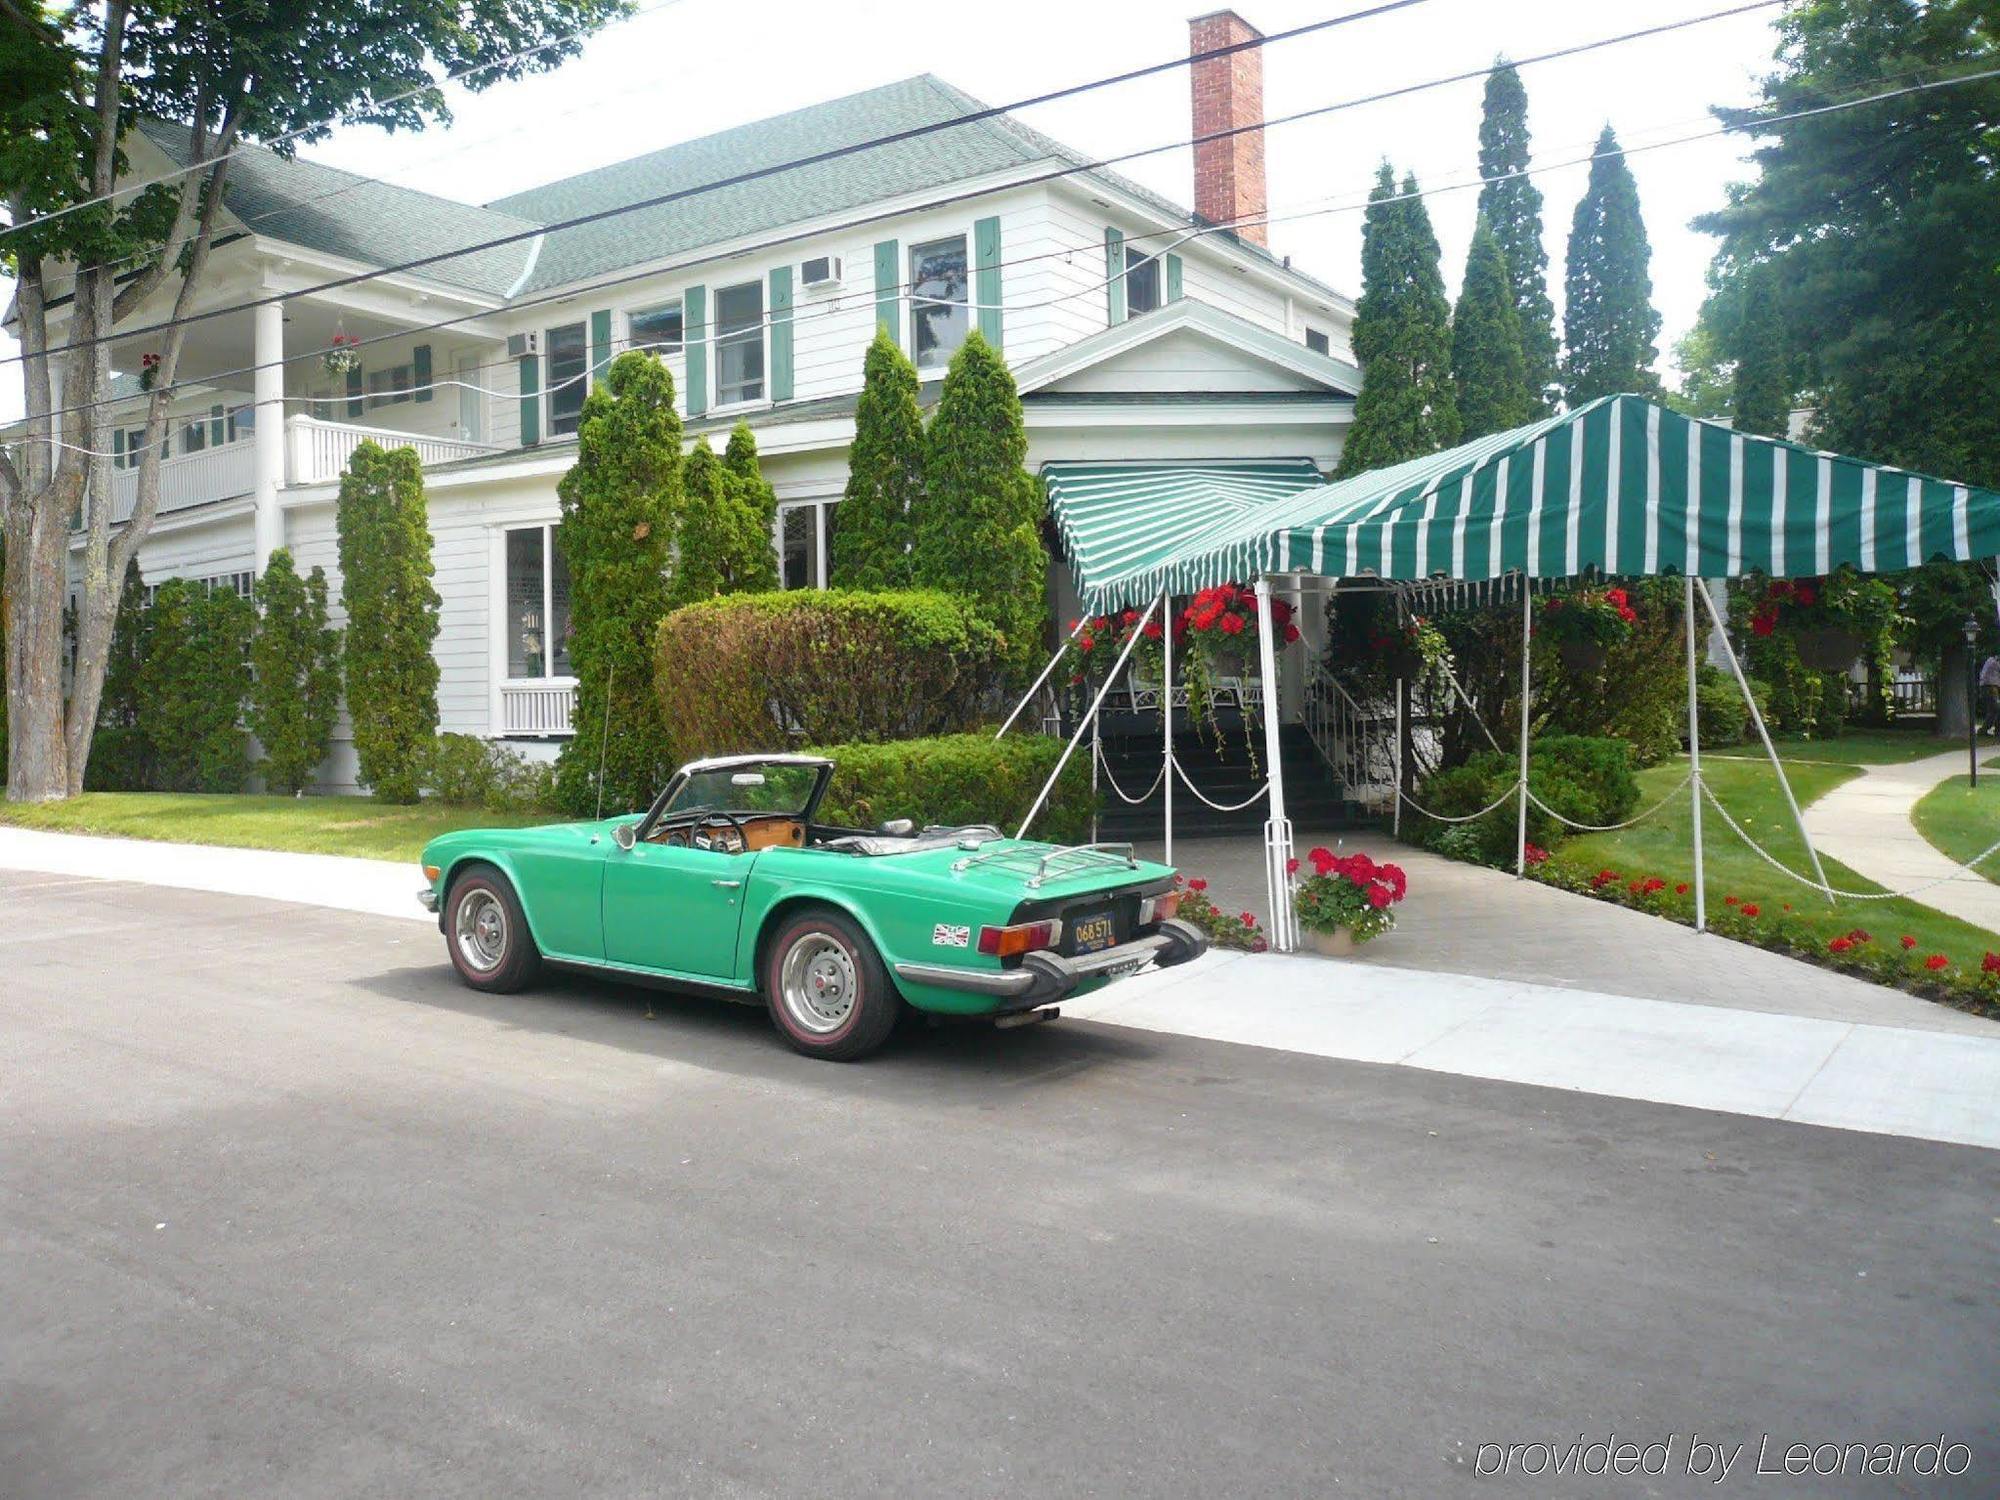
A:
721, 820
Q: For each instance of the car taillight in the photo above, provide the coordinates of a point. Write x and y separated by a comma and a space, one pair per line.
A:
1159, 908
1006, 942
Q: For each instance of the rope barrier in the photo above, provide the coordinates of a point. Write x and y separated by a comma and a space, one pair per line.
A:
1833, 891
1507, 796
1611, 827
1122, 795
1219, 807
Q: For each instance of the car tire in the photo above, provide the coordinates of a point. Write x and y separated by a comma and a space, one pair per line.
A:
828, 992
486, 932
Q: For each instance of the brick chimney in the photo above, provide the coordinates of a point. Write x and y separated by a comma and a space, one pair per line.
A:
1228, 93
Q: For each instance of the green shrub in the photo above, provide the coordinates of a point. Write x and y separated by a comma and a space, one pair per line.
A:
1584, 778
120, 758
734, 673
192, 683
295, 694
956, 779
1725, 717
466, 771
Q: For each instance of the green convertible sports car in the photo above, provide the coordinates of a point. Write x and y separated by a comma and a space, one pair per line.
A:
728, 883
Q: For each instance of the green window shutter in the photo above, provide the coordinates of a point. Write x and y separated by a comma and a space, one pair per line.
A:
888, 288
694, 331
531, 401
118, 449
1174, 293
354, 393
600, 344
781, 333
986, 280
215, 426
420, 371
1114, 276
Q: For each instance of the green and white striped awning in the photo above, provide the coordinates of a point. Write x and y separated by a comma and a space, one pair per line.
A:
1621, 485
1118, 517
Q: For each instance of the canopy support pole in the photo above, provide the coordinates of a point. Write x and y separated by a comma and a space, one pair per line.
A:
1764, 734
1089, 719
1694, 766
1167, 728
1096, 760
1527, 688
1277, 828
1029, 696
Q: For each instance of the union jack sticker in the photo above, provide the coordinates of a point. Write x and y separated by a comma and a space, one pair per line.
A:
944, 935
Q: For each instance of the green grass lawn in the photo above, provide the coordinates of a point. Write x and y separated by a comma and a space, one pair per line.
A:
359, 826
1962, 822
1662, 846
1859, 747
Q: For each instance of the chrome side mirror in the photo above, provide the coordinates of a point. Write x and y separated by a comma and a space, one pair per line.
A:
625, 835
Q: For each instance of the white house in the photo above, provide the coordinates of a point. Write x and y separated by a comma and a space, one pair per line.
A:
1136, 329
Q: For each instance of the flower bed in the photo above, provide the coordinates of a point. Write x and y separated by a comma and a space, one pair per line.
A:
1240, 932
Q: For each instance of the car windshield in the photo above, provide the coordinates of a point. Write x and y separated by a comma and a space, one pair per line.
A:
767, 788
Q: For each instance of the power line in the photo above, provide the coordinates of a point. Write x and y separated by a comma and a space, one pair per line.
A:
1352, 205
755, 174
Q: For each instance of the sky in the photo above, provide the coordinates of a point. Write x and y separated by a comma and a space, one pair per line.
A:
684, 68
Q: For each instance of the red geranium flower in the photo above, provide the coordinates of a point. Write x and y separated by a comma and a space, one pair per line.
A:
1153, 631
1990, 964
1750, 909
1291, 866
1378, 896
1291, 634
1232, 624
1730, 900
1840, 945
1681, 889
1936, 961
1907, 941
1085, 643
1860, 937
1249, 919
1197, 884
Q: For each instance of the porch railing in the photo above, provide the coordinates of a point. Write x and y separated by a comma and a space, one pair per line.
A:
1359, 744
537, 708
317, 451
189, 479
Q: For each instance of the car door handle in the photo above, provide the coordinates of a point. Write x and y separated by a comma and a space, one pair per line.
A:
727, 885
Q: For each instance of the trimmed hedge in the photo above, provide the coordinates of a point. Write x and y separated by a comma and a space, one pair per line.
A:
956, 779
1585, 778
466, 771
840, 667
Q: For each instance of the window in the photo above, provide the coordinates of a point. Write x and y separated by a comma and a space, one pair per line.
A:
242, 422
1318, 341
390, 387
1142, 283
657, 330
940, 312
135, 438
537, 622
739, 343
194, 436
569, 377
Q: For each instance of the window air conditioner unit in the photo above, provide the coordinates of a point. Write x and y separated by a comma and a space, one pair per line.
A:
519, 345
820, 271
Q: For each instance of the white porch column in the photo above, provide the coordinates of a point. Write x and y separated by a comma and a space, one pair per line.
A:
268, 444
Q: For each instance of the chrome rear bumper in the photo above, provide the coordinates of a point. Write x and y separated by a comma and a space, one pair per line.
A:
1044, 978
427, 899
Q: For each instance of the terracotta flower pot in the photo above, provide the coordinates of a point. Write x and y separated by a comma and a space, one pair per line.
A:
1827, 650
1581, 656
1338, 943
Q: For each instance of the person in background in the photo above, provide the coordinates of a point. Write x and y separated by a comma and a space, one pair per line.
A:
1989, 695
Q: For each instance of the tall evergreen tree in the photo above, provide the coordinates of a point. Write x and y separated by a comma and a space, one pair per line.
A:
1488, 369
119, 759
885, 474
621, 506
1402, 335
295, 661
1609, 324
725, 544
392, 617
1763, 399
978, 527
1512, 204
192, 684
755, 568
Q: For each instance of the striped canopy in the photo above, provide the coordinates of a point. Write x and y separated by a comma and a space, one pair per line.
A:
1621, 485
1117, 517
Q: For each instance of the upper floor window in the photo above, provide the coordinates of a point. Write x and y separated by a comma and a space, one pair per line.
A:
658, 330
537, 623
194, 436
569, 377
940, 309
390, 387
1142, 283
242, 422
1318, 342
739, 343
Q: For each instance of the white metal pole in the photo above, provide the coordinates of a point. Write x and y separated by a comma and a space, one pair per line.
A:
1784, 783
1089, 719
1096, 760
1277, 828
1029, 696
1527, 686
1396, 758
1167, 718
1694, 767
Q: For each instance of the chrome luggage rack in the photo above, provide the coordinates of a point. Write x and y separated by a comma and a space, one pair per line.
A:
1057, 863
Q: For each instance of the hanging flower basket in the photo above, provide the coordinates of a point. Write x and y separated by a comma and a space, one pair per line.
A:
1583, 656
1405, 661
1827, 649
1829, 620
1585, 625
343, 355
149, 371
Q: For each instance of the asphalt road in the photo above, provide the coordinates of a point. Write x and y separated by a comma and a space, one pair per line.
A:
286, 1211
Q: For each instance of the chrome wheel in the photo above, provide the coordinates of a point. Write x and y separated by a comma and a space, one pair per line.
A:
481, 926
818, 984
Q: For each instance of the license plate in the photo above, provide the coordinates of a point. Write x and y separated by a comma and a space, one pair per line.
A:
1095, 933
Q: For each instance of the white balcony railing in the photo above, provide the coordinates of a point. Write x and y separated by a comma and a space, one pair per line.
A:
189, 479
539, 707
317, 451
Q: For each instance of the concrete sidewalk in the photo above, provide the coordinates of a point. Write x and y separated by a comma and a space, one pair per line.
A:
1865, 824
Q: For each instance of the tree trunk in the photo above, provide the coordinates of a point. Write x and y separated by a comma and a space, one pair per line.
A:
1953, 707
37, 559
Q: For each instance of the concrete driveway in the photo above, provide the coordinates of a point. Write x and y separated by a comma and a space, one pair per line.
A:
288, 1212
